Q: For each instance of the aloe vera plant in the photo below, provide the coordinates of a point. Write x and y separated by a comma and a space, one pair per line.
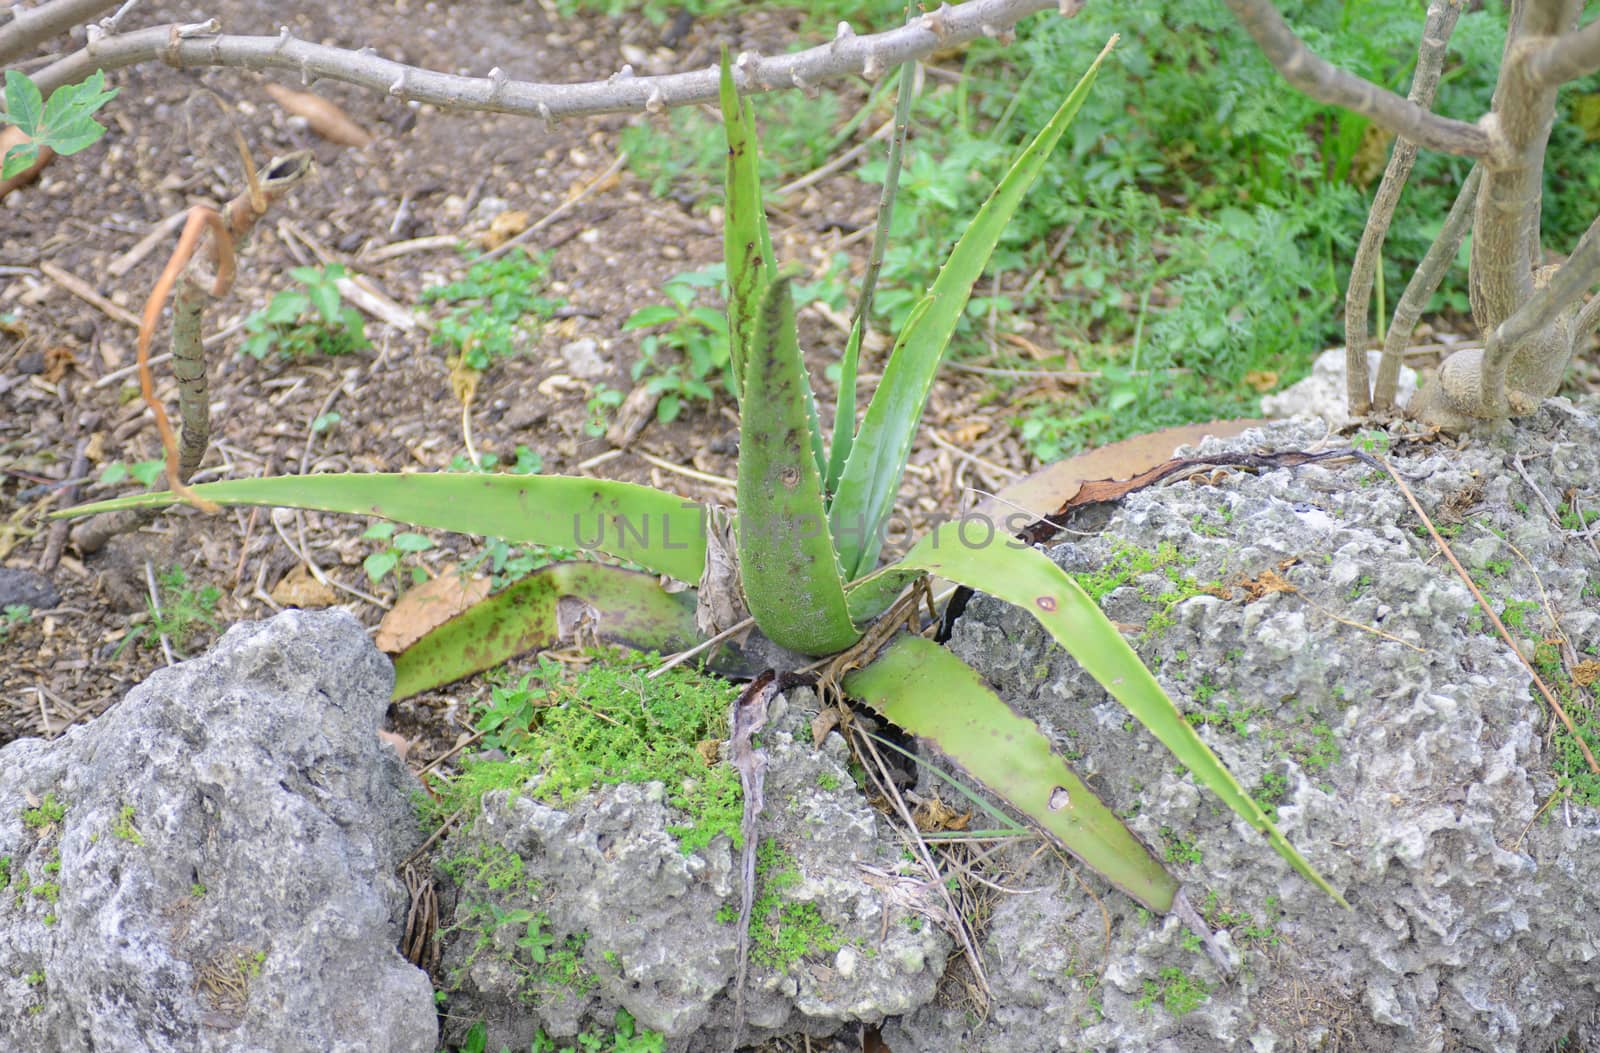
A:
808, 521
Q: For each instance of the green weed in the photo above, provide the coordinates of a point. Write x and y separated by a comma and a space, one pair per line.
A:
1176, 990
783, 932
489, 308
399, 544
15, 614
314, 320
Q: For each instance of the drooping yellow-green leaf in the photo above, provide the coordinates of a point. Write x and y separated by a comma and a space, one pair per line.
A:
791, 576
871, 478
1024, 576
931, 693
654, 529
627, 607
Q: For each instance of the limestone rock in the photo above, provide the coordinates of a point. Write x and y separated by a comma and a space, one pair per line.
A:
628, 920
210, 866
1395, 736
1322, 395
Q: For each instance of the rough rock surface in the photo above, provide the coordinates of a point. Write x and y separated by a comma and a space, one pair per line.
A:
211, 865
1364, 698
653, 931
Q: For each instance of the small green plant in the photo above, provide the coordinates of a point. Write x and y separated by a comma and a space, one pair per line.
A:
494, 310
311, 320
63, 124
197, 890
35, 978
15, 614
124, 829
49, 812
601, 403
400, 543
1176, 990
182, 611
781, 931
697, 334
144, 472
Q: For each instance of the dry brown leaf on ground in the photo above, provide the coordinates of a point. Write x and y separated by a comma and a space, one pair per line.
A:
428, 606
14, 136
504, 227
324, 118
1052, 486
299, 588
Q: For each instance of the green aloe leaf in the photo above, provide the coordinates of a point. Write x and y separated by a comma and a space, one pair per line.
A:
1005, 567
931, 693
654, 529
630, 608
746, 242
871, 478
791, 576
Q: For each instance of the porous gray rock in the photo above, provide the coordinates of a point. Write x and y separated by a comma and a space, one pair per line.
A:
628, 920
210, 865
1343, 672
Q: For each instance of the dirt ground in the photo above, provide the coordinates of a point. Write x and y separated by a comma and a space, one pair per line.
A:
69, 396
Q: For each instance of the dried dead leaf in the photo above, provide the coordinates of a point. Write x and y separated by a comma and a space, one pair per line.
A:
1054, 485
503, 228
401, 744
428, 606
1263, 380
710, 751
822, 724
1586, 672
324, 118
932, 814
11, 136
300, 588
57, 360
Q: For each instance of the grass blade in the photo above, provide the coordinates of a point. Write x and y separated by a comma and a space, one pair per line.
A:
658, 530
786, 560
633, 609
1026, 577
931, 693
871, 478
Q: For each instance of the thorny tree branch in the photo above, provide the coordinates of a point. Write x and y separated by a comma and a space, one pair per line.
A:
30, 27
1325, 82
1424, 283
1436, 30
846, 54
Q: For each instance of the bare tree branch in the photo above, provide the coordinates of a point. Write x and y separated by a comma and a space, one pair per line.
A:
1563, 292
1505, 232
1588, 319
1323, 81
33, 26
1436, 30
1424, 283
846, 54
1567, 57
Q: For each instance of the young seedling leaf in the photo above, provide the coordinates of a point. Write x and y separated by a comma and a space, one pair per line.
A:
654, 529
871, 478
931, 693
1024, 576
791, 576
629, 607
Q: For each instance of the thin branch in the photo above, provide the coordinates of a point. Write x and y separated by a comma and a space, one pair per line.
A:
1424, 283
1567, 57
1588, 319
1325, 82
847, 54
33, 26
1564, 290
1436, 30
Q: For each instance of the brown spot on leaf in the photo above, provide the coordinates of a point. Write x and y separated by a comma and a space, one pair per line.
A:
1046, 604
